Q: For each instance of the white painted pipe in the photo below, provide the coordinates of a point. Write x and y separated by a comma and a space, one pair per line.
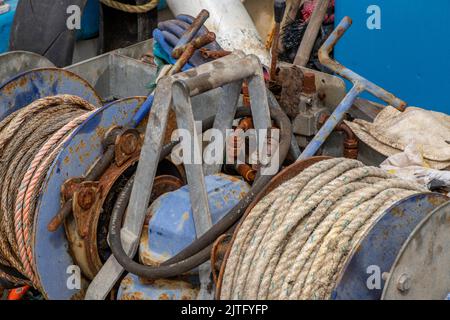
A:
230, 21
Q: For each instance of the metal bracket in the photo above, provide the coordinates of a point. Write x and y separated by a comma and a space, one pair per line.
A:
84, 199
360, 85
228, 73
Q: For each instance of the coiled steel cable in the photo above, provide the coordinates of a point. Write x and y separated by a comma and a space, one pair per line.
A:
293, 244
30, 140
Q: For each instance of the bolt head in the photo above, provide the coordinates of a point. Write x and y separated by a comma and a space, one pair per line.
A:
404, 283
129, 143
86, 199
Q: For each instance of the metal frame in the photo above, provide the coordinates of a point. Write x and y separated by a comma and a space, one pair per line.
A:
180, 88
360, 85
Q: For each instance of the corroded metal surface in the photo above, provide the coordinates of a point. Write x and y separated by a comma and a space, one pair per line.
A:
35, 84
421, 270
16, 62
171, 228
363, 275
135, 288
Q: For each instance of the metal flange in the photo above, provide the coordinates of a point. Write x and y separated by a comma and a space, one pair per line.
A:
367, 265
421, 270
32, 85
16, 62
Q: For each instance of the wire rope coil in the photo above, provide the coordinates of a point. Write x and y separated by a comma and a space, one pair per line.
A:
293, 244
30, 139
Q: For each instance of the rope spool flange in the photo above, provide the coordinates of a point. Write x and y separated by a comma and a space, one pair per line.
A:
32, 85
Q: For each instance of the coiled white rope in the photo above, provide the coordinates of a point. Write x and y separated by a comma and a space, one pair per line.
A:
293, 244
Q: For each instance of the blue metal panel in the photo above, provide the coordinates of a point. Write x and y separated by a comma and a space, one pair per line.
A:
84, 147
6, 20
35, 84
135, 288
171, 229
408, 55
381, 246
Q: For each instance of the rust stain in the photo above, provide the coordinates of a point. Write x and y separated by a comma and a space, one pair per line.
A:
66, 160
164, 296
135, 296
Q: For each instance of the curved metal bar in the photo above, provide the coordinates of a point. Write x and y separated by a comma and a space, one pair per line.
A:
360, 85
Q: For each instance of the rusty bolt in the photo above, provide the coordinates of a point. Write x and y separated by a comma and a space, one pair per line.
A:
129, 143
213, 54
247, 172
404, 283
309, 83
246, 124
86, 199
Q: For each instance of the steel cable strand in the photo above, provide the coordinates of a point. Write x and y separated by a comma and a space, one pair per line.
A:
30, 188
22, 134
18, 164
22, 149
252, 222
333, 200
276, 239
15, 157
